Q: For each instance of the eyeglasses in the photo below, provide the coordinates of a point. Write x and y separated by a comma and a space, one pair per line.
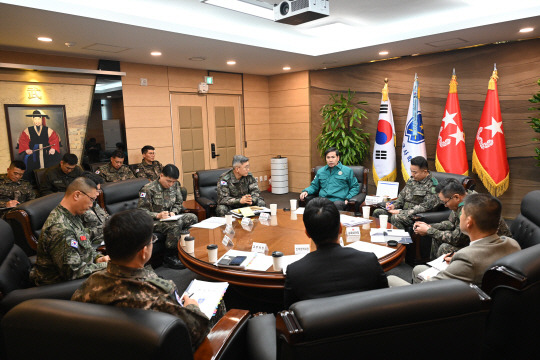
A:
91, 198
154, 239
446, 202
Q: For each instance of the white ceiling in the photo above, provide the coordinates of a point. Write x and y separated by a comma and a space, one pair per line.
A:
355, 31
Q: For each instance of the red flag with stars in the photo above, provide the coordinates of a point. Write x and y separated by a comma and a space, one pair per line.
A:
451, 155
490, 161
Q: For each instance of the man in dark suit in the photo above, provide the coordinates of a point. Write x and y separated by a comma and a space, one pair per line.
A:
332, 269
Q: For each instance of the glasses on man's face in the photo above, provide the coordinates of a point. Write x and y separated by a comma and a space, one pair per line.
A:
154, 239
446, 202
91, 198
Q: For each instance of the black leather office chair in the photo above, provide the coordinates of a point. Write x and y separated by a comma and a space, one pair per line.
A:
122, 195
401, 322
28, 218
361, 174
205, 189
526, 226
513, 282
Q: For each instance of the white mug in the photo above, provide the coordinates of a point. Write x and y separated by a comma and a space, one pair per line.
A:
190, 244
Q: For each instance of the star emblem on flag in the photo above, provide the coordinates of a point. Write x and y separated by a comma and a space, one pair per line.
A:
459, 136
495, 127
449, 119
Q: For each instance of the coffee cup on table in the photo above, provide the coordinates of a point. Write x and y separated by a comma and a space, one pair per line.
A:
365, 212
277, 259
293, 204
190, 244
212, 253
183, 235
228, 219
383, 221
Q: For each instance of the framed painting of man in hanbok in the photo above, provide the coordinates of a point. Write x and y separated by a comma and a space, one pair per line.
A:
37, 135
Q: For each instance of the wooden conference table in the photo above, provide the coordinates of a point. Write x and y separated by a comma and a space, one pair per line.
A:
285, 230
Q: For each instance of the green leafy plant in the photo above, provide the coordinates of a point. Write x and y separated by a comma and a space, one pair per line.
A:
535, 122
341, 120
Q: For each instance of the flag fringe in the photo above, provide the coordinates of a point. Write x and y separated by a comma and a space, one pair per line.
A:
390, 177
404, 172
440, 168
493, 188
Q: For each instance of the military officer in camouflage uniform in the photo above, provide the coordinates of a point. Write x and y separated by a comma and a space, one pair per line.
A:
115, 170
127, 283
13, 189
447, 236
237, 188
65, 249
95, 217
417, 196
58, 177
162, 199
149, 167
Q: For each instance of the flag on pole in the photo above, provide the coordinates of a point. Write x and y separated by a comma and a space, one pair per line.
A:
451, 155
384, 150
413, 137
489, 160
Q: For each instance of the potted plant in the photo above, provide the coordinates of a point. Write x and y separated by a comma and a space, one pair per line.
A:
535, 122
341, 120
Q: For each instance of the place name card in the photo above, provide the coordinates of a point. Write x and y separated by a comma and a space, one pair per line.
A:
227, 241
261, 248
353, 231
300, 249
264, 216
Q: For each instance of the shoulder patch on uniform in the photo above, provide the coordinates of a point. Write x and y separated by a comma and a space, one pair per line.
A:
97, 171
223, 182
74, 244
162, 284
143, 195
435, 182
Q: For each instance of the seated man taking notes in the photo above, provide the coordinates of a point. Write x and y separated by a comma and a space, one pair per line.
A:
479, 219
332, 269
128, 283
334, 181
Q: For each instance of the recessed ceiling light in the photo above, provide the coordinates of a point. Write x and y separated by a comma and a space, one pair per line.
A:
155, 53
525, 30
383, 52
231, 62
286, 68
44, 38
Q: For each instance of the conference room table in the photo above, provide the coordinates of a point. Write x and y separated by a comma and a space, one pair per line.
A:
284, 231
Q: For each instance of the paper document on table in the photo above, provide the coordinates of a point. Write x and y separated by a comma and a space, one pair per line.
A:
289, 259
348, 220
210, 223
372, 200
260, 262
299, 211
379, 251
387, 189
379, 235
439, 263
207, 294
172, 218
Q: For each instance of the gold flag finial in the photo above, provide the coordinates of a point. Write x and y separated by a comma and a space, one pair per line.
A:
494, 77
453, 83
385, 90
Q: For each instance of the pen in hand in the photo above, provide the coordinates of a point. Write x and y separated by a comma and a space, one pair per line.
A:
448, 256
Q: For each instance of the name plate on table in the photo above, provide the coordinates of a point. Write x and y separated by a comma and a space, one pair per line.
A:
353, 231
227, 241
260, 248
264, 216
247, 224
300, 249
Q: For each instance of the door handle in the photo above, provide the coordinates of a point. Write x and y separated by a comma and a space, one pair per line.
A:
213, 148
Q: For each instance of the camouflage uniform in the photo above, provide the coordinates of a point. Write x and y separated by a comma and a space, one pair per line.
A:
446, 236
9, 190
153, 198
416, 197
151, 172
55, 180
64, 250
230, 190
110, 174
142, 289
93, 219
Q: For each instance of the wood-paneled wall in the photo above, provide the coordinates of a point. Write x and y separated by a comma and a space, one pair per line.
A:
290, 125
517, 64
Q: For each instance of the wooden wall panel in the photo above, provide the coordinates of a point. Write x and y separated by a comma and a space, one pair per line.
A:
185, 80
256, 99
286, 116
289, 98
148, 116
256, 83
154, 74
518, 65
225, 83
136, 95
257, 116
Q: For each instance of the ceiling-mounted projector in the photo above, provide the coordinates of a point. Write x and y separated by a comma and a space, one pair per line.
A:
295, 12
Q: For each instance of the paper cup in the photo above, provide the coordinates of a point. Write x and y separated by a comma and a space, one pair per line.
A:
277, 258
183, 235
293, 204
383, 221
293, 215
273, 209
228, 219
365, 212
190, 244
212, 253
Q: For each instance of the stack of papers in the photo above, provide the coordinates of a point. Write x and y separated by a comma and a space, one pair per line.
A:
208, 295
210, 223
379, 251
437, 266
372, 200
253, 261
384, 235
347, 220
256, 210
387, 189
